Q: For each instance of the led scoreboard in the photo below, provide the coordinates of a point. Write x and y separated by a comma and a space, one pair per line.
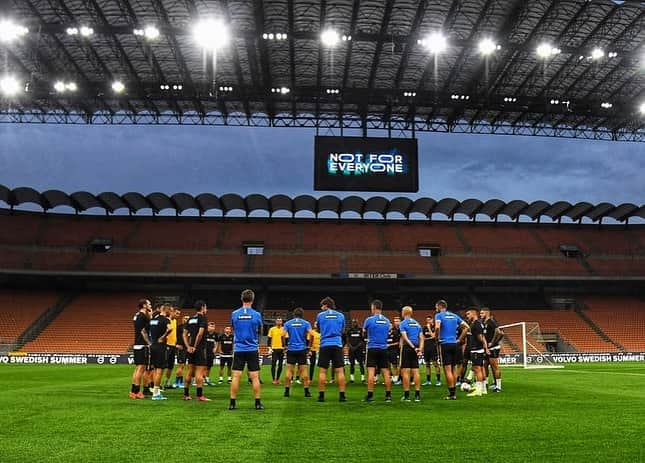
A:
366, 164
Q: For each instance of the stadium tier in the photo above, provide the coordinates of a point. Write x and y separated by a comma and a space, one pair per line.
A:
622, 319
20, 309
217, 246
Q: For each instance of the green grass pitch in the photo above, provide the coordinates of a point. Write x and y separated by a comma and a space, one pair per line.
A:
591, 412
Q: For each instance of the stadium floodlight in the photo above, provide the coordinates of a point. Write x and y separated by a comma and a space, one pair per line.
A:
642, 108
86, 31
606, 105
597, 53
72, 31
612, 54
59, 86
211, 34
71, 86
284, 90
151, 32
9, 85
487, 46
346, 38
546, 50
435, 43
10, 31
329, 37
118, 86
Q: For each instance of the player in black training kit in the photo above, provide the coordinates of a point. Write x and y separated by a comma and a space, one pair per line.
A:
140, 346
356, 350
225, 350
159, 328
494, 336
431, 352
478, 351
394, 349
182, 355
211, 341
195, 341
463, 368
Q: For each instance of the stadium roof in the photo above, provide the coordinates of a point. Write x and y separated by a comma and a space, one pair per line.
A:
383, 78
156, 202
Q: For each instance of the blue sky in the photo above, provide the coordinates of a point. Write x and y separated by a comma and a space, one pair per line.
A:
243, 160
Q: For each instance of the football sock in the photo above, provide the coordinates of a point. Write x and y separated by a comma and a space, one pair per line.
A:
498, 383
388, 393
341, 395
257, 401
134, 389
200, 391
406, 394
451, 391
233, 402
370, 394
186, 391
321, 395
428, 378
155, 390
438, 377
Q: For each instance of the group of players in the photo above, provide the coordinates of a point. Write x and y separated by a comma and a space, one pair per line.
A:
391, 350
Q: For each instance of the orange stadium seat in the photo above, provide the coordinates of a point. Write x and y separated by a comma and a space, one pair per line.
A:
276, 235
389, 264
340, 237
501, 238
199, 263
92, 323
568, 324
56, 260
474, 265
19, 229
549, 266
309, 263
13, 258
618, 266
78, 231
622, 319
126, 262
19, 309
170, 234
402, 237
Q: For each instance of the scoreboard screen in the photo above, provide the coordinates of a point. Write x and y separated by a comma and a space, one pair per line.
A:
366, 164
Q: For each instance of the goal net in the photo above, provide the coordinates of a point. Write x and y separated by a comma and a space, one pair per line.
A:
525, 346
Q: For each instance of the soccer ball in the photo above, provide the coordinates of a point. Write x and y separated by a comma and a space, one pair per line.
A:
465, 387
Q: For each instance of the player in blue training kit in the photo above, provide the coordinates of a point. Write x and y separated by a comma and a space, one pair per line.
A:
411, 350
298, 334
247, 324
331, 324
377, 328
446, 324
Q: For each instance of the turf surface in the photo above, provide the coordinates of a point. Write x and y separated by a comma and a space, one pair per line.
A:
591, 412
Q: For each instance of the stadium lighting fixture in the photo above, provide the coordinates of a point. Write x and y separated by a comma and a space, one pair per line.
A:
10, 31
612, 54
409, 94
118, 86
281, 90
86, 31
211, 34
346, 38
545, 50
332, 91
226, 89
435, 43
72, 31
510, 99
151, 32
62, 87
597, 53
329, 37
642, 108
9, 85
606, 105
487, 47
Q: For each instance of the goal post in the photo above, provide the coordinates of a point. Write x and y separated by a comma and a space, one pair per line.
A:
524, 339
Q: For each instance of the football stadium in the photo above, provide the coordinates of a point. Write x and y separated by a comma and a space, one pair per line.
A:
372, 314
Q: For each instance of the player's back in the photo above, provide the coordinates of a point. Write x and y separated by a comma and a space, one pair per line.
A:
246, 324
297, 329
449, 324
378, 329
331, 324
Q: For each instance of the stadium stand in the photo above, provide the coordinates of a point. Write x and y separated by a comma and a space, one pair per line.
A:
126, 262
407, 237
78, 231
618, 266
471, 265
273, 235
622, 319
341, 237
566, 323
487, 239
98, 323
169, 234
19, 309
549, 266
199, 263
389, 264
13, 258
294, 263
19, 229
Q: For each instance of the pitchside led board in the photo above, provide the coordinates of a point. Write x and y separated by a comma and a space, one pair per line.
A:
366, 164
